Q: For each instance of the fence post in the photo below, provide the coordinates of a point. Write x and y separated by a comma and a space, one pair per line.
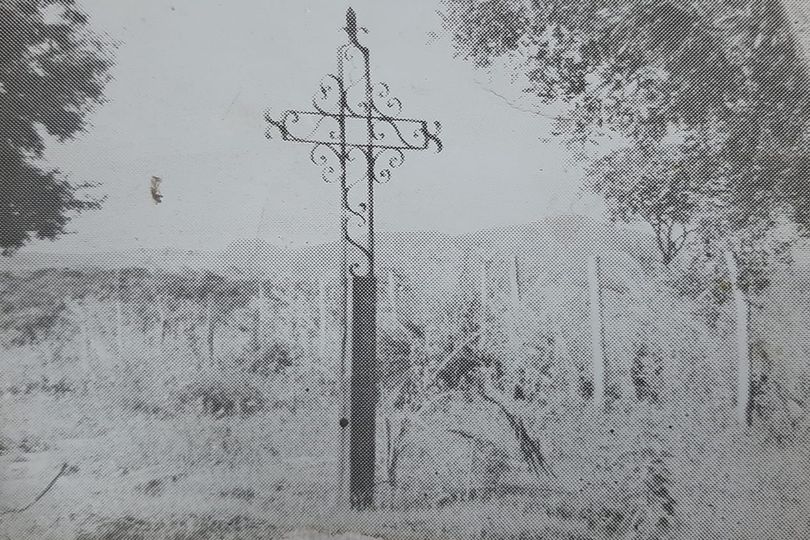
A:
119, 315
84, 336
392, 292
259, 330
210, 326
514, 301
741, 341
322, 317
564, 359
162, 315
484, 297
597, 333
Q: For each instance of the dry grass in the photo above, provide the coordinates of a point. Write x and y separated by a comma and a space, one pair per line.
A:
166, 441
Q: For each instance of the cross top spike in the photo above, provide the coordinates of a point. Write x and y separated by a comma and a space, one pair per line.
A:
351, 23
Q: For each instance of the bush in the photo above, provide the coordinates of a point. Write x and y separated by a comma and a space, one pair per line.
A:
218, 397
269, 360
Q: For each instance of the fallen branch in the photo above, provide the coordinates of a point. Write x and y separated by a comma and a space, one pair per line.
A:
469, 436
32, 503
529, 447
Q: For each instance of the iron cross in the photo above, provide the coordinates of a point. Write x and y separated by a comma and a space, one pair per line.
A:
358, 139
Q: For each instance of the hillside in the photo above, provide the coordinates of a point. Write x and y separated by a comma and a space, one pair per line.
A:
554, 239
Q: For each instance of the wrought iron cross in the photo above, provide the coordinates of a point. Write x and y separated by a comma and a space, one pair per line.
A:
358, 140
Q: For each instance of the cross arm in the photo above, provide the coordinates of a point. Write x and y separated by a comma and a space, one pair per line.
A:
355, 131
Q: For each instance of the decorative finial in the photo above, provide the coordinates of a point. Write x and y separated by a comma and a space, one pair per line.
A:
351, 23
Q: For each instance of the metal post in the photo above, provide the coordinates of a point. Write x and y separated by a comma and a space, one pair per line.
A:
363, 392
345, 102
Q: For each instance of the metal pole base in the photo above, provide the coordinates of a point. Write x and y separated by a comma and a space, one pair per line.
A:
363, 392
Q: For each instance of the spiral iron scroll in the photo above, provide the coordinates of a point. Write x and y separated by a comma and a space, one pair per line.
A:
357, 211
330, 159
358, 138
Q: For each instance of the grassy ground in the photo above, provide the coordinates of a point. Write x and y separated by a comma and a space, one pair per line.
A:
195, 476
139, 475
161, 439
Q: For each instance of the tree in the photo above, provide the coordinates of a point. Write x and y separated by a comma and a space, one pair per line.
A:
52, 73
725, 76
671, 186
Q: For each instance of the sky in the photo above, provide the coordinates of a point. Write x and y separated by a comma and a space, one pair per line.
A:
191, 83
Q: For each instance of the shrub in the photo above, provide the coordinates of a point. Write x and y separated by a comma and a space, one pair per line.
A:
216, 396
269, 360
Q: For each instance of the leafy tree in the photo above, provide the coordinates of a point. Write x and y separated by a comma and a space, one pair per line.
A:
668, 185
725, 77
52, 73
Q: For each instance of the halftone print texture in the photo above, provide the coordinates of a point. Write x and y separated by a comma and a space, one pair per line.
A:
537, 269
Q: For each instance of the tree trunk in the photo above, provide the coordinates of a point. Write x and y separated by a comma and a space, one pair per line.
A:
86, 352
390, 462
162, 314
392, 293
260, 320
484, 292
209, 317
597, 334
322, 315
119, 317
741, 342
514, 302
564, 359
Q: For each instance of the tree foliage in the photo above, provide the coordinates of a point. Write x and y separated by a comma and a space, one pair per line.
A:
669, 185
725, 78
52, 73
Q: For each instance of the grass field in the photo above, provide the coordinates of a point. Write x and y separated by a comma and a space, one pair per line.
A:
182, 415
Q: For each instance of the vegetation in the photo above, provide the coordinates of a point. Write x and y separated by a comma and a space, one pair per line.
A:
468, 425
711, 101
52, 73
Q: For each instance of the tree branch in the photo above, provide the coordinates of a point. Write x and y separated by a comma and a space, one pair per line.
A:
32, 503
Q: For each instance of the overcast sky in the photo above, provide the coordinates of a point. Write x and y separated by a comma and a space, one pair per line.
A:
192, 80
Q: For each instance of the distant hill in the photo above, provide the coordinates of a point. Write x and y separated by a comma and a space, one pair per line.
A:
165, 259
555, 242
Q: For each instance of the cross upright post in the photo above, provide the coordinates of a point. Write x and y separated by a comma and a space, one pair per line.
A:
358, 139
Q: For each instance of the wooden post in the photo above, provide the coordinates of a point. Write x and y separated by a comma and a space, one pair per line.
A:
597, 334
741, 341
84, 335
514, 302
209, 318
160, 304
484, 297
392, 292
563, 358
261, 319
119, 316
390, 462
161, 308
322, 315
